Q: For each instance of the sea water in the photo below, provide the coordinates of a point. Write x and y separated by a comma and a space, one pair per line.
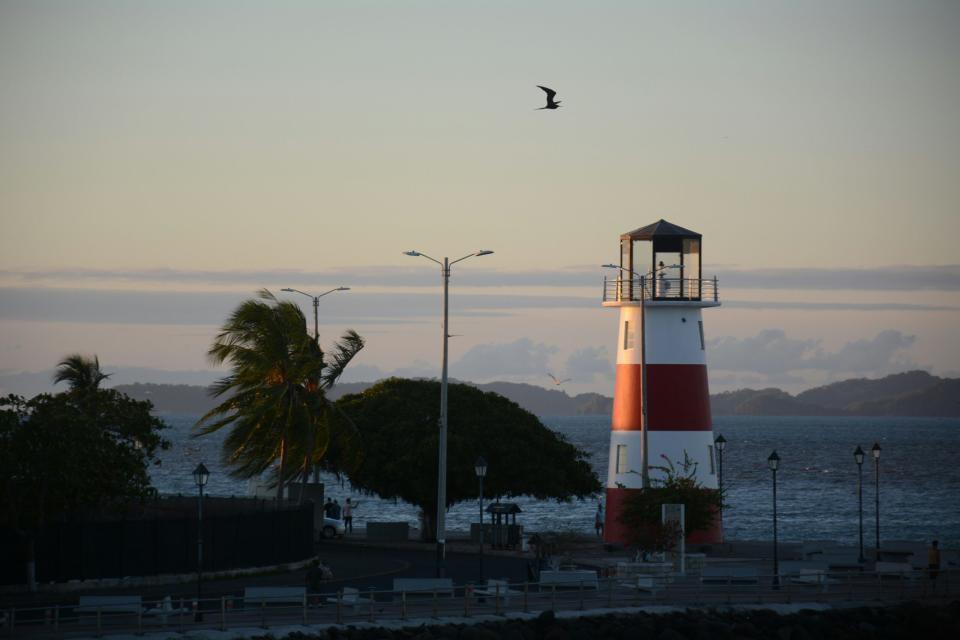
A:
919, 479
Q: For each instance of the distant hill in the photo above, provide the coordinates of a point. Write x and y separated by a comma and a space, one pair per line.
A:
915, 393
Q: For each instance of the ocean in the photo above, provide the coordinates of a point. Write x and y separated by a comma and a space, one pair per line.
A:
816, 482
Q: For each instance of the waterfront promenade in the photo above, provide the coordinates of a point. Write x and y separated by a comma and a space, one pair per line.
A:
362, 591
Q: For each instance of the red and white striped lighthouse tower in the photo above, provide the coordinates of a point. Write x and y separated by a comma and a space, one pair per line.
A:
661, 402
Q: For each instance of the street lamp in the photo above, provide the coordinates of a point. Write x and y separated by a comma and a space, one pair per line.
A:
720, 443
480, 466
644, 460
876, 467
442, 462
858, 457
200, 477
773, 462
316, 306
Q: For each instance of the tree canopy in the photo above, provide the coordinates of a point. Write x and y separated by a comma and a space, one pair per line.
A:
397, 422
275, 402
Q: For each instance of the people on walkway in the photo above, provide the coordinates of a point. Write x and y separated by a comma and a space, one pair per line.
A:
348, 515
598, 520
335, 510
328, 508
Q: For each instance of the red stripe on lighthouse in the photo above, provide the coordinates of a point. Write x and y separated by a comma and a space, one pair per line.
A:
678, 397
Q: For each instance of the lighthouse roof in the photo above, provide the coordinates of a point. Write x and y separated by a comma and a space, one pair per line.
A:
660, 229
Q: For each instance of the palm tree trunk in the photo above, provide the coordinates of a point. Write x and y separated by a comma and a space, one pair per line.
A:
283, 459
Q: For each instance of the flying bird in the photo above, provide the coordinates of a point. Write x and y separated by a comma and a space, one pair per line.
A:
558, 382
551, 103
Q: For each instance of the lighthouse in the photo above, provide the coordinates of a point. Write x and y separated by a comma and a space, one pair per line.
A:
661, 401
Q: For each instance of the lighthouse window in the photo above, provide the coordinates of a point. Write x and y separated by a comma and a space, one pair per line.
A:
627, 336
702, 346
621, 458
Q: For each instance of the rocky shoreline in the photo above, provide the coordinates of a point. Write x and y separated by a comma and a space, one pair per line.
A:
927, 622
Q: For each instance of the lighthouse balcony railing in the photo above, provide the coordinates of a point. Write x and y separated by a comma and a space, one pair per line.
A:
664, 289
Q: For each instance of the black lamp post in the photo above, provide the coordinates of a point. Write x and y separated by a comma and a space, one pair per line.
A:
858, 457
480, 466
876, 467
200, 477
773, 462
720, 443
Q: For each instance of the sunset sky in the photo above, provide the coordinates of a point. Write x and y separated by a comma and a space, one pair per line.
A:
162, 161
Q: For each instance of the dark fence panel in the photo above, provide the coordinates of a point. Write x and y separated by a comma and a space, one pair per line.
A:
161, 542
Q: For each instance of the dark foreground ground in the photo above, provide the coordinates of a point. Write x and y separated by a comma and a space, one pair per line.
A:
904, 621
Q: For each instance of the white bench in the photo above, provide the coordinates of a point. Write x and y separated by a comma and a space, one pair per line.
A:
110, 604
349, 596
642, 582
440, 586
580, 578
729, 575
496, 589
273, 595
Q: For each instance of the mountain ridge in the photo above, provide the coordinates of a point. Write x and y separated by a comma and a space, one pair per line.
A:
912, 393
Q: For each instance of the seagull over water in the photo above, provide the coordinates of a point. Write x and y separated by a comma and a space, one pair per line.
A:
551, 103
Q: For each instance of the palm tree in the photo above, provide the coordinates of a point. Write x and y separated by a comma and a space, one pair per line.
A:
84, 376
275, 402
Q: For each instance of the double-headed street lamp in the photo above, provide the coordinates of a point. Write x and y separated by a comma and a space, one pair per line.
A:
644, 459
442, 466
719, 444
774, 463
316, 306
858, 457
480, 466
876, 468
200, 477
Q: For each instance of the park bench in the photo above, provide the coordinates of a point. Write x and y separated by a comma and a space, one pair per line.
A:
893, 569
427, 586
644, 582
496, 589
273, 595
350, 597
729, 575
577, 578
110, 604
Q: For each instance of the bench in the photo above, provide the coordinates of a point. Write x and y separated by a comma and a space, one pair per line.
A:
578, 578
349, 596
896, 569
648, 583
729, 575
496, 589
274, 595
110, 604
440, 586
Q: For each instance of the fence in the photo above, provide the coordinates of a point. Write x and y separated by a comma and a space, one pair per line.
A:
349, 606
163, 544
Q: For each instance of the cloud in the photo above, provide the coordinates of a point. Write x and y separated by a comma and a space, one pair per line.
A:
583, 365
886, 278
508, 360
774, 354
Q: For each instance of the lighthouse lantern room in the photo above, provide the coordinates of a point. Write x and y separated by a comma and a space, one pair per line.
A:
661, 401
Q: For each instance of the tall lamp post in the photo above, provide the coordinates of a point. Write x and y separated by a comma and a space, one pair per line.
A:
774, 462
200, 477
858, 457
876, 468
480, 466
719, 444
644, 460
442, 462
316, 306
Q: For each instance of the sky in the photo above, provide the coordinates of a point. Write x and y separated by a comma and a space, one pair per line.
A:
162, 161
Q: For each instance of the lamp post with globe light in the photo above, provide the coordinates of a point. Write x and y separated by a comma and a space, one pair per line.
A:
876, 468
774, 463
858, 458
480, 467
720, 443
200, 477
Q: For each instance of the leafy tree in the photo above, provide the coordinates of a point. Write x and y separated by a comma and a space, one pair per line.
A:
642, 507
397, 422
58, 461
275, 401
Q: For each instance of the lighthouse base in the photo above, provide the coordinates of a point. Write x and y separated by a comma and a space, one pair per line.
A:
615, 532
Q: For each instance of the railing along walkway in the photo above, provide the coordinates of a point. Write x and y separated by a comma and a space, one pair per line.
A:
230, 612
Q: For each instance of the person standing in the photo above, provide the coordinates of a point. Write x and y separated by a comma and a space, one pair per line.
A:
598, 520
348, 515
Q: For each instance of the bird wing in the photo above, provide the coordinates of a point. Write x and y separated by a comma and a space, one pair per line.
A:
550, 92
552, 377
